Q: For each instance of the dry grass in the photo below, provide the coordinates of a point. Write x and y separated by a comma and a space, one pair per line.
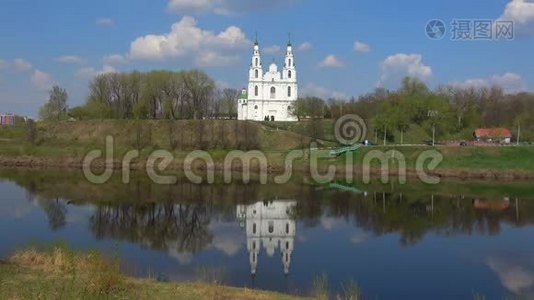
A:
59, 273
99, 275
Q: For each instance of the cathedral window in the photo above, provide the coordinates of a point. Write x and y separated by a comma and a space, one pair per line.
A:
256, 91
256, 107
271, 226
256, 61
257, 74
287, 228
273, 92
254, 228
289, 91
290, 62
289, 74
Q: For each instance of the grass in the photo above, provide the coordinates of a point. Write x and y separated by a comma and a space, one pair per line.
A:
59, 273
468, 158
320, 287
351, 291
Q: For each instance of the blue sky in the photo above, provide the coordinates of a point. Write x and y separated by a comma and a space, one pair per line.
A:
67, 42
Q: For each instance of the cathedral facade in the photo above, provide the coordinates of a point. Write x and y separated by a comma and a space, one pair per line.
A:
270, 96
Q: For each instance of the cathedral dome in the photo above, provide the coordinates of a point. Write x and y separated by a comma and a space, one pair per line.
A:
273, 68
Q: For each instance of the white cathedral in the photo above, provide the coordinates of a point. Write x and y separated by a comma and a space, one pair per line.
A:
271, 95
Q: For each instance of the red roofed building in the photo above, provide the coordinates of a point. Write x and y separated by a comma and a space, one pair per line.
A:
500, 135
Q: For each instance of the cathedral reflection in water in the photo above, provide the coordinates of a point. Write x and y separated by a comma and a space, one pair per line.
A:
271, 224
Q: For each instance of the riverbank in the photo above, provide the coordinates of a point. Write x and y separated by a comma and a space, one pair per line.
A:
63, 145
497, 163
62, 274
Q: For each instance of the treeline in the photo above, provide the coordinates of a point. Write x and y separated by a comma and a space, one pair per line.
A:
451, 111
157, 95
448, 112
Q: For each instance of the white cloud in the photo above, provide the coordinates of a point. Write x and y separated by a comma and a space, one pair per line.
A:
330, 224
22, 65
361, 47
227, 238
114, 59
90, 72
399, 65
314, 90
473, 82
359, 236
214, 59
519, 11
517, 277
41, 80
195, 6
304, 46
331, 61
70, 59
272, 50
183, 259
187, 40
223, 7
107, 22
509, 82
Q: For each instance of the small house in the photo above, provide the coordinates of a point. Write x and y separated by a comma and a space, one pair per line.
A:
493, 135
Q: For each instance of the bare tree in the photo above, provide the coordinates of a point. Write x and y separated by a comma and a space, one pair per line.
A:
56, 107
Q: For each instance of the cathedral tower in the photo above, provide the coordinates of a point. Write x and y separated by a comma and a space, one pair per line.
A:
256, 70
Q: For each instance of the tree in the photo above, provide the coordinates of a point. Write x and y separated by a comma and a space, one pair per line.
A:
228, 102
438, 121
201, 87
32, 132
309, 107
56, 107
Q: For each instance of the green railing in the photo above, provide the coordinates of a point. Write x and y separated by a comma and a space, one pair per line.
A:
340, 151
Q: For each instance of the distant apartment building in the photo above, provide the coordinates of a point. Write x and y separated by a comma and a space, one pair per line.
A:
7, 119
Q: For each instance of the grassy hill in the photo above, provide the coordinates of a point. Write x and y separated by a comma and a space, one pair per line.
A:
205, 134
59, 144
160, 134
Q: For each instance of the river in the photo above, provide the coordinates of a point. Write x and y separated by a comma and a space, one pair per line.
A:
452, 240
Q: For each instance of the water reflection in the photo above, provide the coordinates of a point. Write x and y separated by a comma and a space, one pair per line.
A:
182, 228
271, 224
514, 274
285, 235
